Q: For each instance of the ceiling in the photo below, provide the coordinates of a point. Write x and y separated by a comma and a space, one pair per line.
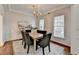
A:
28, 8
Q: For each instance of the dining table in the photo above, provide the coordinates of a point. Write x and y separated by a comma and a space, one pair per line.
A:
35, 37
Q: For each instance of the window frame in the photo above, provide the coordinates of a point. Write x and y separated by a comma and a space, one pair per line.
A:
59, 26
43, 24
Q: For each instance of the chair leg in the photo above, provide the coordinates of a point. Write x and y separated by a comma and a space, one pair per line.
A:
24, 45
49, 48
28, 49
43, 51
36, 47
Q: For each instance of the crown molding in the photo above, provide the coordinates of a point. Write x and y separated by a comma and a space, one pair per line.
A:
58, 8
19, 12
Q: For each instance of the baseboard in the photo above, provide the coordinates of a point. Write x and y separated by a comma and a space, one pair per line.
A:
14, 40
60, 44
3, 43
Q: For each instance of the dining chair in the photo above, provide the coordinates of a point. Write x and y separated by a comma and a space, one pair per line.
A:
26, 31
45, 41
27, 40
41, 32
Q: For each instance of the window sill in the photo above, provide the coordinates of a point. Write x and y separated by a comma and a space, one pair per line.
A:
59, 38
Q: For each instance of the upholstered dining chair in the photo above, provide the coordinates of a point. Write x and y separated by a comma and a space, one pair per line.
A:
41, 32
45, 41
27, 40
26, 31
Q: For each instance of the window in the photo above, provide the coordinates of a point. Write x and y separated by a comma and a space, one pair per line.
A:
41, 24
59, 26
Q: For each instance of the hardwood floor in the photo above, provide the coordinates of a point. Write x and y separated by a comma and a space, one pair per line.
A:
7, 49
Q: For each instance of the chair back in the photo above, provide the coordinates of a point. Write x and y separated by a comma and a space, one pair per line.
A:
28, 31
42, 32
28, 41
26, 37
46, 40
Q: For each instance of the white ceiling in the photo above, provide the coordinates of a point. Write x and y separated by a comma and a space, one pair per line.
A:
28, 9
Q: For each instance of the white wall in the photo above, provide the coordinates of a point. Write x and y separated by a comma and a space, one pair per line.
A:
1, 25
6, 27
75, 29
11, 31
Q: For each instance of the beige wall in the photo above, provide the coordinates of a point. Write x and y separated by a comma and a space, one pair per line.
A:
11, 31
49, 24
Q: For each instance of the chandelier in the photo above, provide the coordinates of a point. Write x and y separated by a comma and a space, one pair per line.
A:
36, 10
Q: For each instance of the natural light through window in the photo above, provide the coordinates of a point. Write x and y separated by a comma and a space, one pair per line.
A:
41, 24
59, 26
